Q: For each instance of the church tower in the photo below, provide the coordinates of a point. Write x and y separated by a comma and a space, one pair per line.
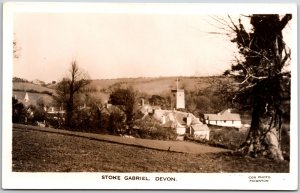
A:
178, 100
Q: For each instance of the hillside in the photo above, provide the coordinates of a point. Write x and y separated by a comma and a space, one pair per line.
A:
157, 85
100, 89
146, 85
29, 87
34, 97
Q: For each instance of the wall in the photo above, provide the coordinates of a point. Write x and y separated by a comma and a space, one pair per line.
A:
236, 124
180, 103
180, 130
201, 135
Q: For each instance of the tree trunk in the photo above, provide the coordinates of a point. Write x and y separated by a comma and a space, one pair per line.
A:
69, 112
265, 131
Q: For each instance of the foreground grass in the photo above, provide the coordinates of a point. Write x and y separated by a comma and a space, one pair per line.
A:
35, 151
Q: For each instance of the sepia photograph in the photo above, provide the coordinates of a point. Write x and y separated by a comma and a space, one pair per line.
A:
150, 96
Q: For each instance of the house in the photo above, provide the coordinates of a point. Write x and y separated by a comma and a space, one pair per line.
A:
39, 82
108, 109
183, 122
55, 111
224, 118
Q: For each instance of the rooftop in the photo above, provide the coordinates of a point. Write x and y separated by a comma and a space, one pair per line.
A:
224, 115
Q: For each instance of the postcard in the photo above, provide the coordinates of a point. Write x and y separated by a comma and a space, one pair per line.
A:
179, 96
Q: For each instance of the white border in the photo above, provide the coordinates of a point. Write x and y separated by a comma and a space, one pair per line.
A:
236, 181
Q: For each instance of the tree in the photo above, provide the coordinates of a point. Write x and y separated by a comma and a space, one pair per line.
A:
18, 110
161, 101
69, 88
262, 79
16, 49
125, 99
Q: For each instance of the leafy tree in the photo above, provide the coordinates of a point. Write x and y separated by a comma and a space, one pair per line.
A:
68, 90
17, 79
125, 99
150, 128
38, 114
161, 101
116, 122
263, 80
210, 99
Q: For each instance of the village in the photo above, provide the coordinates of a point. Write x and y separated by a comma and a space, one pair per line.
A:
185, 124
113, 92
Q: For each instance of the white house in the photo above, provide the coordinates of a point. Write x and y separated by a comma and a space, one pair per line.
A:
224, 118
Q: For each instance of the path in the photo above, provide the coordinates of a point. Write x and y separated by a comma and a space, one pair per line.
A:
175, 146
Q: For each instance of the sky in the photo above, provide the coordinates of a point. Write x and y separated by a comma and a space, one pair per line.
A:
119, 45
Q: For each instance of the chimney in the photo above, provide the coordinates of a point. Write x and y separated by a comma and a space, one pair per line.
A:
188, 120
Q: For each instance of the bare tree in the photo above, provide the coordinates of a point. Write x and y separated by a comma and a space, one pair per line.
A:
262, 81
16, 49
69, 88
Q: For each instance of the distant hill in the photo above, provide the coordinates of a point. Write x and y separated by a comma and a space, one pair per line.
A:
100, 88
30, 87
35, 92
155, 85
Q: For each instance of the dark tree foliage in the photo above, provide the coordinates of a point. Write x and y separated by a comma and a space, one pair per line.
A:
125, 99
116, 122
68, 89
157, 100
263, 83
38, 114
18, 111
17, 79
213, 98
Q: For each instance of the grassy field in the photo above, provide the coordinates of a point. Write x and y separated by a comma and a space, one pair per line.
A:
151, 86
156, 85
34, 97
22, 86
35, 151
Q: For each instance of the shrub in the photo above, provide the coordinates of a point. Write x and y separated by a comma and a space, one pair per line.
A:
149, 128
117, 122
226, 136
91, 120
